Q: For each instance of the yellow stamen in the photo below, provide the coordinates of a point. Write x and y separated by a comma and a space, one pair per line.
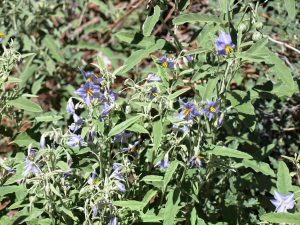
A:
2, 35
165, 65
95, 181
212, 109
186, 111
132, 149
228, 49
154, 94
30, 157
89, 92
89, 79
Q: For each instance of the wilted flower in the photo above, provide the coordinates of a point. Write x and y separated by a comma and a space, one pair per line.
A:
70, 106
93, 180
211, 109
189, 110
120, 186
122, 137
78, 122
164, 163
152, 78
167, 62
75, 141
195, 160
224, 45
88, 92
152, 93
30, 165
283, 202
91, 77
113, 221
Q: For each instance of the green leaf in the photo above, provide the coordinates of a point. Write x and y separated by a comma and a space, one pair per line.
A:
148, 196
150, 218
284, 180
290, 6
26, 104
224, 151
225, 5
53, 47
122, 126
48, 118
4, 190
156, 181
151, 21
195, 17
172, 208
210, 87
68, 212
289, 218
23, 140
131, 204
62, 165
54, 190
178, 93
138, 128
157, 134
138, 55
169, 173
261, 167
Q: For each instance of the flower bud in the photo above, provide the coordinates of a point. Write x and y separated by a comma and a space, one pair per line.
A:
258, 25
127, 109
243, 27
256, 36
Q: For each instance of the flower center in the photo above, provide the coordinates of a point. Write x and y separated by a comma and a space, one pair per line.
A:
95, 181
212, 109
89, 92
133, 149
154, 94
30, 157
186, 111
165, 64
228, 49
89, 79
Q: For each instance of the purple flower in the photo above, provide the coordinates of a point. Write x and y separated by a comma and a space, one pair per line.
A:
224, 45
211, 109
108, 104
91, 77
116, 174
88, 92
95, 210
189, 110
93, 180
189, 58
195, 160
122, 137
152, 78
152, 93
70, 106
120, 186
113, 221
78, 122
131, 148
167, 62
42, 142
75, 141
2, 35
283, 202
182, 129
30, 165
164, 163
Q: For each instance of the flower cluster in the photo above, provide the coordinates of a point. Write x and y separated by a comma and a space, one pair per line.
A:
31, 167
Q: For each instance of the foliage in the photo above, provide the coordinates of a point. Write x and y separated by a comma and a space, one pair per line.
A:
145, 124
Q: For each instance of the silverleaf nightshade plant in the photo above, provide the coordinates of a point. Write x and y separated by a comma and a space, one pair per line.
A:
153, 149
